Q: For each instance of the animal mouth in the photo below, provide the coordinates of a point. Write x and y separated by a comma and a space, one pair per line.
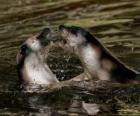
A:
64, 33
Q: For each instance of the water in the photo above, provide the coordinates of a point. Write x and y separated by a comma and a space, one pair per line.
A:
116, 23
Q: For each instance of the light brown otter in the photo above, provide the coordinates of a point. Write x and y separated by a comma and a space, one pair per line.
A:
98, 62
31, 60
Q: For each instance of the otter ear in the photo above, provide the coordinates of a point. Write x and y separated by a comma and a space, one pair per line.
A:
24, 50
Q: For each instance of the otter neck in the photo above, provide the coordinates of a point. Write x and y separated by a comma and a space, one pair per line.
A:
36, 70
89, 55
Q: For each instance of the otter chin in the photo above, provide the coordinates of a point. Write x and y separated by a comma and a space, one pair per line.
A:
98, 62
31, 60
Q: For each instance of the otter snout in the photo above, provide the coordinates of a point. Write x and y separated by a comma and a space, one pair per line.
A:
44, 37
64, 29
61, 27
45, 33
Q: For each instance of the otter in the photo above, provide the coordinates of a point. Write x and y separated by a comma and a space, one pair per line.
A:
31, 60
98, 61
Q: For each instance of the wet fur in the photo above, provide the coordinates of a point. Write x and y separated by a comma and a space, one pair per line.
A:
37, 70
117, 70
31, 64
98, 62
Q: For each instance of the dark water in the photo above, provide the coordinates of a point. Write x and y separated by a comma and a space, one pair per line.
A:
116, 23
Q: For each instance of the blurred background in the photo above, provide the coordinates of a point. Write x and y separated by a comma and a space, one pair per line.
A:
116, 23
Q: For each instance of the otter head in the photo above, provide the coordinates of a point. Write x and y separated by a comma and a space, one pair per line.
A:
37, 42
34, 44
73, 35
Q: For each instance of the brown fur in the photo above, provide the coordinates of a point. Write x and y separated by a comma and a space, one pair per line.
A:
105, 65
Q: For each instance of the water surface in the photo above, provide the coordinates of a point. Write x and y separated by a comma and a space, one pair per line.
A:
116, 23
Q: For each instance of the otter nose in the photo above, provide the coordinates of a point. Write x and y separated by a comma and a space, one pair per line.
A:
61, 27
44, 33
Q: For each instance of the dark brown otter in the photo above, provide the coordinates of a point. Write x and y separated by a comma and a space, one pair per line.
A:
31, 60
98, 62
